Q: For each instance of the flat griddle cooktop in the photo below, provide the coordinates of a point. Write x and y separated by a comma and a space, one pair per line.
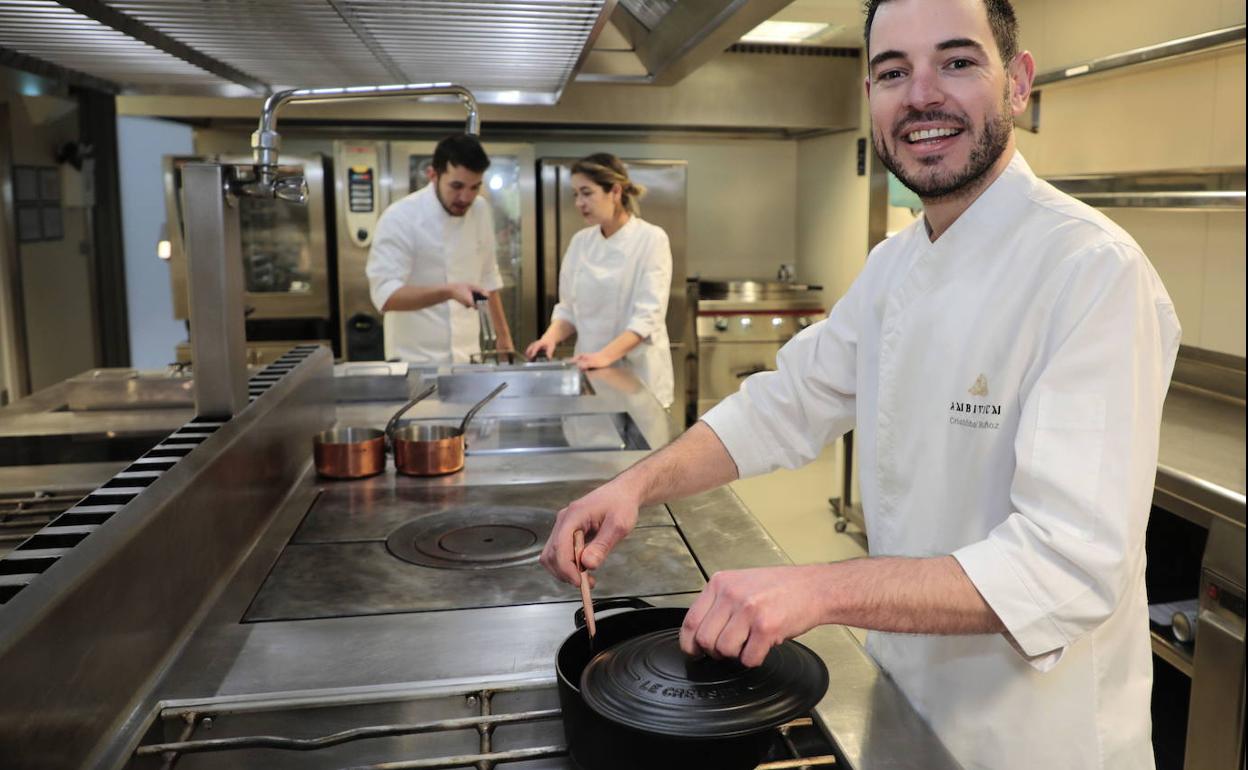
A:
388, 546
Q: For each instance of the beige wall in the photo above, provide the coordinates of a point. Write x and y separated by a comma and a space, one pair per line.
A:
1065, 32
1177, 115
54, 285
1185, 114
743, 197
831, 213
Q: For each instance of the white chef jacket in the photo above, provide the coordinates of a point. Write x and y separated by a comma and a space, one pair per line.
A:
1006, 384
608, 286
418, 243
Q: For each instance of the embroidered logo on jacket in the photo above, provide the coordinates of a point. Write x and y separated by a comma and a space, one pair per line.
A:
960, 412
980, 388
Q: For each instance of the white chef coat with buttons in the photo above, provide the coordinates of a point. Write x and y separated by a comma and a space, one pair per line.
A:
1006, 385
608, 286
418, 243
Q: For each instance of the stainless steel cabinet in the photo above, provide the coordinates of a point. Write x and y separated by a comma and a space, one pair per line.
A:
1215, 727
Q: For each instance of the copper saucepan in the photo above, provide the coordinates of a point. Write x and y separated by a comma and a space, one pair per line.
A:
434, 450
356, 453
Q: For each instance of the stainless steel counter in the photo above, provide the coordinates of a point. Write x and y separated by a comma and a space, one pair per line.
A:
1200, 465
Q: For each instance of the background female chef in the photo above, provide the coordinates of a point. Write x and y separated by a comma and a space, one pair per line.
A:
614, 282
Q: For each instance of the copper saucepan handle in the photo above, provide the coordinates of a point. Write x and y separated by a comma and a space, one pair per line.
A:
463, 426
394, 421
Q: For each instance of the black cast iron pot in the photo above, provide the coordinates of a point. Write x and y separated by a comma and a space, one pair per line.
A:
634, 700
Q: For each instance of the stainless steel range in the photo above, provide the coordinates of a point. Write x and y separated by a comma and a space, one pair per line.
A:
393, 544
394, 620
742, 325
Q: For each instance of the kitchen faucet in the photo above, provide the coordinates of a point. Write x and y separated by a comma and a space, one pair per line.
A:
264, 180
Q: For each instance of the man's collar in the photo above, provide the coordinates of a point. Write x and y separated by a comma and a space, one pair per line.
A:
990, 210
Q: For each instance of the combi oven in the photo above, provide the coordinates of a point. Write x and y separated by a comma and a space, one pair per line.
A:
286, 263
304, 265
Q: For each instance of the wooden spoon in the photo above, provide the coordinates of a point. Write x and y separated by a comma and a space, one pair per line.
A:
578, 545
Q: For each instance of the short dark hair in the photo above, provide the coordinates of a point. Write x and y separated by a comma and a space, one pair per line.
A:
462, 150
1000, 19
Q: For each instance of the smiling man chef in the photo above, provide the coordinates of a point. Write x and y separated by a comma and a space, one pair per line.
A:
1004, 361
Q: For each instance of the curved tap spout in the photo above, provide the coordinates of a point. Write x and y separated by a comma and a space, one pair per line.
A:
266, 142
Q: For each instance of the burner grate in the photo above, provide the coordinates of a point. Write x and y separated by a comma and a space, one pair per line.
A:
487, 727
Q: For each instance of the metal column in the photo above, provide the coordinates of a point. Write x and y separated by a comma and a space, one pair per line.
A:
215, 274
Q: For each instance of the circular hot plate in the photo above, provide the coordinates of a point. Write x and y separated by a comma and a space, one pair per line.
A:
474, 537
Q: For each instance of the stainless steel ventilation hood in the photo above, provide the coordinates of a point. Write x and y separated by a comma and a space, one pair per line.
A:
661, 41
505, 51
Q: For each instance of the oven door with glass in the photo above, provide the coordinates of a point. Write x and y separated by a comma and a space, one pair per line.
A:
285, 266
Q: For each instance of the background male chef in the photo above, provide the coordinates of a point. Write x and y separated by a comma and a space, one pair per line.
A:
1004, 361
431, 251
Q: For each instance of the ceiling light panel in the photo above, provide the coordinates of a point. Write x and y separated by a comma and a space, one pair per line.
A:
45, 30
790, 32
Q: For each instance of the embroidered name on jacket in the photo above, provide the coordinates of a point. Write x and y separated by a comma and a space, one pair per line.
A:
969, 408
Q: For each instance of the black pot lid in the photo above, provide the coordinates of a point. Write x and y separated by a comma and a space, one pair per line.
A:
649, 684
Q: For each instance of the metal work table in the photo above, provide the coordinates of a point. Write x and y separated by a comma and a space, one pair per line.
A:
1201, 457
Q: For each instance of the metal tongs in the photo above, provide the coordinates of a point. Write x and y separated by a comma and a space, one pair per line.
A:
489, 338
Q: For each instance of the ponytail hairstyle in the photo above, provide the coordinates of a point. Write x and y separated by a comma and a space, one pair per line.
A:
606, 171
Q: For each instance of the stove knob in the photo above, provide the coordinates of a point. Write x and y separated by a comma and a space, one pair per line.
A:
745, 322
721, 324
803, 322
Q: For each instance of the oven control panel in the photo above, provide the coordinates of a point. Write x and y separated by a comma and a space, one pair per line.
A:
756, 326
362, 191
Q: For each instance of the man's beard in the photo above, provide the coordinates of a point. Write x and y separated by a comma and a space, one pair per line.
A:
437, 191
989, 145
